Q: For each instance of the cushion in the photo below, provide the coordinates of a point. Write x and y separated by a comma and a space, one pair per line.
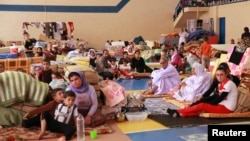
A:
245, 79
195, 50
238, 69
90, 74
113, 92
147, 54
243, 104
11, 117
230, 115
23, 107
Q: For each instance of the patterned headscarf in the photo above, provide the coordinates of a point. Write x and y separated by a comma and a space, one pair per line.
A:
85, 84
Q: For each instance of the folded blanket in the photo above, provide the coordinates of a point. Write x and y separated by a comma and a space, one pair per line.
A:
20, 87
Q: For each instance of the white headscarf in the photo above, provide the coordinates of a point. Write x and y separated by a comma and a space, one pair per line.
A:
89, 54
198, 68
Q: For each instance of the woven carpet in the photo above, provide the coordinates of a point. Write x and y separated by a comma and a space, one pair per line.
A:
171, 122
109, 132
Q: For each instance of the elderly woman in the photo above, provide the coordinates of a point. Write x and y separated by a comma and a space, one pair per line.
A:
194, 86
86, 98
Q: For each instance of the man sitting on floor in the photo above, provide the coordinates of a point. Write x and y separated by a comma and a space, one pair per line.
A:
163, 79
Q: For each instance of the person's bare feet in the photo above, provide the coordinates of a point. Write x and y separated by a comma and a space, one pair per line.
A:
62, 139
40, 135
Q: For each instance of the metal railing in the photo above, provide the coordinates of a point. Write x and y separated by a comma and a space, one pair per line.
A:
201, 3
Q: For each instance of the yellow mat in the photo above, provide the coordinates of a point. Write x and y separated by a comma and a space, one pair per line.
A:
180, 104
140, 126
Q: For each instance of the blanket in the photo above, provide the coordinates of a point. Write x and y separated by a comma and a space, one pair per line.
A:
18, 87
21, 133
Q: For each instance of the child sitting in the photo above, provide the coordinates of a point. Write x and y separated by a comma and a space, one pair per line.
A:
125, 69
64, 114
43, 73
114, 67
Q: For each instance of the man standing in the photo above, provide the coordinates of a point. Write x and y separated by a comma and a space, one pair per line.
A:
205, 52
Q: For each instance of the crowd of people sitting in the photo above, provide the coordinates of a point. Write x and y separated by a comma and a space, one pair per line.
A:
205, 93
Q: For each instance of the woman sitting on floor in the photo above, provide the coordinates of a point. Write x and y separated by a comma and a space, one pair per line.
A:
222, 100
86, 98
194, 86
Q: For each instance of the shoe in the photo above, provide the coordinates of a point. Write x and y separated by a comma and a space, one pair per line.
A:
171, 112
176, 114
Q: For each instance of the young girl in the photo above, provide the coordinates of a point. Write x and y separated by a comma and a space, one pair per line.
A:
222, 100
114, 67
125, 69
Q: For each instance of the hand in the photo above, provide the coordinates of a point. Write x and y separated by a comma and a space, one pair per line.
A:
199, 98
149, 82
87, 120
183, 84
37, 76
25, 117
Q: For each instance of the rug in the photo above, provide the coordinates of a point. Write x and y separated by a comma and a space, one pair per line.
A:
157, 106
171, 122
21, 133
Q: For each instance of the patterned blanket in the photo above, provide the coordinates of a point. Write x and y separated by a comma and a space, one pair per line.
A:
21, 133
20, 87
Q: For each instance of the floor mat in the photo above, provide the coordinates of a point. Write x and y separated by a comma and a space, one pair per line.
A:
140, 126
198, 133
134, 84
171, 122
107, 131
156, 106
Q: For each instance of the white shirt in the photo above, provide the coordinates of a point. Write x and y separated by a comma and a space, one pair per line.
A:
65, 113
231, 100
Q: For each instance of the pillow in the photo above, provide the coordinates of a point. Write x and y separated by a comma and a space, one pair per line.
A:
213, 53
243, 104
113, 92
230, 115
245, 79
23, 107
11, 117
195, 50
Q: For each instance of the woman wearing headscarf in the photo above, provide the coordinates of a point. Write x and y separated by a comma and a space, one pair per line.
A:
223, 99
194, 86
92, 58
86, 98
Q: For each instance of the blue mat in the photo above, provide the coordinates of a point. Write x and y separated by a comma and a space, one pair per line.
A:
198, 133
134, 84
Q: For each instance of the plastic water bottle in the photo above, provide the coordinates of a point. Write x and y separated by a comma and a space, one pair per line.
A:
80, 128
